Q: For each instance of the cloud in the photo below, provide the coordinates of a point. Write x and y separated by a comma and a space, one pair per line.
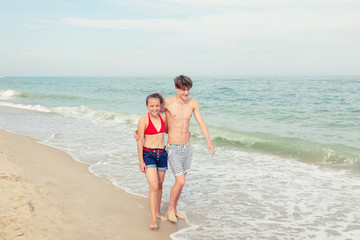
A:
235, 32
222, 5
196, 34
124, 24
43, 55
34, 27
259, 3
259, 23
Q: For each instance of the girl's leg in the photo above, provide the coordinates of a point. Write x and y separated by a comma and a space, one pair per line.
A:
161, 177
153, 180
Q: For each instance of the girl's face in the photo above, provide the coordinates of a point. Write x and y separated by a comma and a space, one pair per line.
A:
153, 106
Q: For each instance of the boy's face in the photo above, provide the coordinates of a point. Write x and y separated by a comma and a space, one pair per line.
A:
183, 92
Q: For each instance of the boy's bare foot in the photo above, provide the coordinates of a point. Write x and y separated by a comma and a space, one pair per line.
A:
179, 215
172, 216
162, 217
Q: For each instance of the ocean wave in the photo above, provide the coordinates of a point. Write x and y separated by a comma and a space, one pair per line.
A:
9, 94
37, 108
81, 112
301, 149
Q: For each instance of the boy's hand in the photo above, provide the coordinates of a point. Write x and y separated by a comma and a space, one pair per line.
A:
211, 148
136, 135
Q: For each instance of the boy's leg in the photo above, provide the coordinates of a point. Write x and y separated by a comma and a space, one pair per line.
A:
174, 196
179, 215
180, 161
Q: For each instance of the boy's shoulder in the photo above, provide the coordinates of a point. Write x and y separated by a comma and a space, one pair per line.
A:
170, 99
192, 101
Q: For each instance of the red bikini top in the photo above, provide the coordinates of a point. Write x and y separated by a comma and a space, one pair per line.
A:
151, 130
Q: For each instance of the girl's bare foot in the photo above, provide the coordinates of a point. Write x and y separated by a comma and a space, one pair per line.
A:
154, 225
179, 215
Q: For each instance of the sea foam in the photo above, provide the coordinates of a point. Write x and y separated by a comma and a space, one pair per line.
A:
8, 94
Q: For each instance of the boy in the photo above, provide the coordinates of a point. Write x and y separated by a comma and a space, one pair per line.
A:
179, 110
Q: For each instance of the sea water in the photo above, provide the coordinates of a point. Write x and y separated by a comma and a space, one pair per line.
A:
287, 161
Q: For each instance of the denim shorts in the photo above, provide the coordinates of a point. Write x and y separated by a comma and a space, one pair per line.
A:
155, 158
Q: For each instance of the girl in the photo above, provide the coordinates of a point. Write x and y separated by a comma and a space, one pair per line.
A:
152, 153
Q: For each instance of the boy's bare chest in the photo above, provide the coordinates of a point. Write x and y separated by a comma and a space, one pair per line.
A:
180, 112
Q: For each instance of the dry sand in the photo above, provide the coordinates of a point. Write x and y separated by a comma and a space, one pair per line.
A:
45, 194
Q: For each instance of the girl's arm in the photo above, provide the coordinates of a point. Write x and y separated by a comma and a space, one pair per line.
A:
140, 143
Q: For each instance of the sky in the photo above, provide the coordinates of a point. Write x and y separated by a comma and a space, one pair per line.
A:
172, 37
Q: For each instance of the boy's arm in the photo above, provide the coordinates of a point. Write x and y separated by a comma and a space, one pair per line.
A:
163, 115
203, 127
163, 106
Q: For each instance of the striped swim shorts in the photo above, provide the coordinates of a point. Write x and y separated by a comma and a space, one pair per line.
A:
179, 157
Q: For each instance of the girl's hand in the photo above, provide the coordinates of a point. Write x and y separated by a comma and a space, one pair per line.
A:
143, 167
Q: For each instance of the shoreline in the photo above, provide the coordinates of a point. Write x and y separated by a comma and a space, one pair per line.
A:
46, 194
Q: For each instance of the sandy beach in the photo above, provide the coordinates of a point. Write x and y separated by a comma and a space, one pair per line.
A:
45, 194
